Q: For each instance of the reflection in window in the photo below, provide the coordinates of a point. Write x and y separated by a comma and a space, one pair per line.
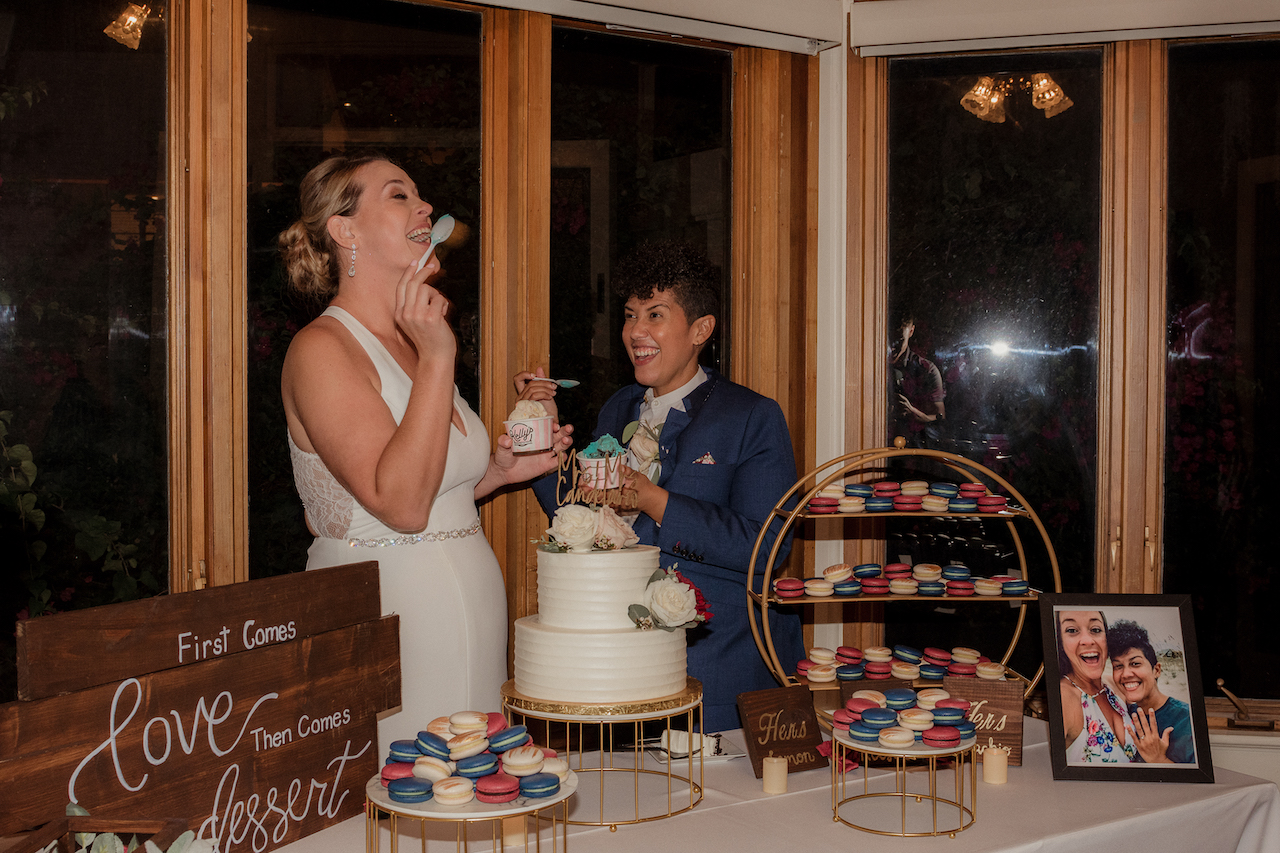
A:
994, 223
640, 151
397, 77
83, 447
1221, 457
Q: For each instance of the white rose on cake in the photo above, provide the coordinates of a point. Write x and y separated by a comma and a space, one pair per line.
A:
612, 532
574, 527
671, 601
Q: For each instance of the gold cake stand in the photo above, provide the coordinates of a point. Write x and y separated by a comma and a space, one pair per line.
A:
920, 813
606, 745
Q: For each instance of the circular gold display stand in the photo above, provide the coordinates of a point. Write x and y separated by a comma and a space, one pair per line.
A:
921, 813
381, 812
792, 509
609, 742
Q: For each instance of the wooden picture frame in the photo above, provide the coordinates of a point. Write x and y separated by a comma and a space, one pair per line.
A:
1160, 666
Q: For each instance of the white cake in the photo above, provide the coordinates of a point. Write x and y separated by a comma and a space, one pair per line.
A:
582, 646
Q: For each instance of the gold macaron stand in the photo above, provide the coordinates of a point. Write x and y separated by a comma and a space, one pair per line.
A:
920, 813
608, 746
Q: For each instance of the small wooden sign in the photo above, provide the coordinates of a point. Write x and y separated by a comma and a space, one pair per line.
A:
996, 711
781, 722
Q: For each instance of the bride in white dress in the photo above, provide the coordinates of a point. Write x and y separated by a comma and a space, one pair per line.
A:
386, 454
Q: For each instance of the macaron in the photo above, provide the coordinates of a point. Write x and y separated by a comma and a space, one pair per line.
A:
879, 718
964, 654
819, 654
990, 671
454, 791
941, 737
837, 572
433, 769
850, 672
903, 586
867, 570
855, 705
906, 503
497, 722
539, 785
409, 790
932, 671
464, 722
859, 490
915, 487
962, 670
558, 766
874, 695
506, 739
986, 586
926, 571
946, 716
955, 702
788, 588
878, 653
841, 718
396, 770
881, 504
877, 669
933, 654
440, 727
930, 587
802, 667
831, 490
930, 696
862, 733
887, 487
821, 673
904, 671
897, 570
523, 760
850, 586
962, 505
946, 490
465, 745
955, 572
934, 503
992, 503
875, 586
475, 766
404, 750
966, 728
898, 698
819, 588
915, 719
1015, 587
896, 737
497, 788
962, 588
907, 653
823, 505
848, 654
852, 504
973, 489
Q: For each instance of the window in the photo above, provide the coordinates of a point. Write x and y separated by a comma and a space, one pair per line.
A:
83, 299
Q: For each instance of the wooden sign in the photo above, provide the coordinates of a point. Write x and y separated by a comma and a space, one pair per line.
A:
996, 711
781, 722
71, 651
255, 748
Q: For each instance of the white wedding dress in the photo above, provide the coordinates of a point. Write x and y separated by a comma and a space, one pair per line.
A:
446, 586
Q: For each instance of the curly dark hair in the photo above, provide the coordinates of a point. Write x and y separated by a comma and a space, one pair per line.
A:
673, 267
1127, 634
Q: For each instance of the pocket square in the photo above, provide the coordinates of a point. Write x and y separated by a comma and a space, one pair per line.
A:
705, 459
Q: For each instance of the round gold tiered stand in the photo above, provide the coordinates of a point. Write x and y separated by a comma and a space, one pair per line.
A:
919, 811
621, 734
381, 812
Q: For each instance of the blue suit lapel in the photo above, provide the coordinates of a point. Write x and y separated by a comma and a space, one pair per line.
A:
669, 441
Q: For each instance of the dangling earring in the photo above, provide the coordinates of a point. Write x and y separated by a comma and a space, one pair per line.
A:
352, 270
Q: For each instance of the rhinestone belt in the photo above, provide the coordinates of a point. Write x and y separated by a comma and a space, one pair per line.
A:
460, 533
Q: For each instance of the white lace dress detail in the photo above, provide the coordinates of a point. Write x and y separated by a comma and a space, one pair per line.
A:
328, 506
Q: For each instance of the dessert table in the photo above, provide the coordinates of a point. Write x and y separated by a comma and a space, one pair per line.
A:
1032, 813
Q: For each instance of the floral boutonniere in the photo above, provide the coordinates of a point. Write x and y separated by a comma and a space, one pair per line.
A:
642, 440
670, 602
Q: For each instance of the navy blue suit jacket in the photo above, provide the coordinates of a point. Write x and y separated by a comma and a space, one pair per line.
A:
726, 460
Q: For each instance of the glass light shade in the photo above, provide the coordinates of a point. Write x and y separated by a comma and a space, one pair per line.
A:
127, 29
1048, 96
978, 99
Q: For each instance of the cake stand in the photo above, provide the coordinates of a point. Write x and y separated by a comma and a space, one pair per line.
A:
919, 811
379, 807
606, 745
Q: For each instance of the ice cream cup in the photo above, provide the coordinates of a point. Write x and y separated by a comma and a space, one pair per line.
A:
602, 473
529, 435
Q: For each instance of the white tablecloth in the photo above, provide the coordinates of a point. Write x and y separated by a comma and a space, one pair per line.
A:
1033, 813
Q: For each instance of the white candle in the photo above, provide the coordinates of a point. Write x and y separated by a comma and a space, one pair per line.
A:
995, 765
514, 832
775, 774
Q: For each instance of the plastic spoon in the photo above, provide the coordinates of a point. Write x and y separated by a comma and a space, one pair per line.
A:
563, 383
440, 232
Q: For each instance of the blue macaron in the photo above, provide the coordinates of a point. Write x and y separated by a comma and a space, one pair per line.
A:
508, 738
932, 672
539, 785
947, 716
475, 766
879, 718
409, 790
850, 672
944, 490
433, 745
859, 490
884, 505
959, 505
1014, 588
867, 570
907, 653
863, 733
966, 728
931, 588
848, 586
404, 750
899, 698
955, 572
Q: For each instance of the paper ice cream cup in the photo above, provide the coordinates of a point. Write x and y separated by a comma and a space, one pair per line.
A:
603, 473
529, 435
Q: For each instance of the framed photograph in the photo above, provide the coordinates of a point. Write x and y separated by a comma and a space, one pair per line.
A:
1123, 681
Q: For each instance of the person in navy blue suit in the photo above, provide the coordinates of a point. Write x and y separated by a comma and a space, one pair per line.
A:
709, 460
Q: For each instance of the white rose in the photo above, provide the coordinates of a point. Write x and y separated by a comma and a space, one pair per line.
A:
612, 531
671, 602
574, 527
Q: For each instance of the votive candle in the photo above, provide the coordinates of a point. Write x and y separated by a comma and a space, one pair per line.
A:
775, 774
995, 765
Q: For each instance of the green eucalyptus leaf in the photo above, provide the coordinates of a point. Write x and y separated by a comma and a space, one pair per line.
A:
182, 842
29, 469
656, 576
75, 809
629, 431
19, 453
36, 517
39, 546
